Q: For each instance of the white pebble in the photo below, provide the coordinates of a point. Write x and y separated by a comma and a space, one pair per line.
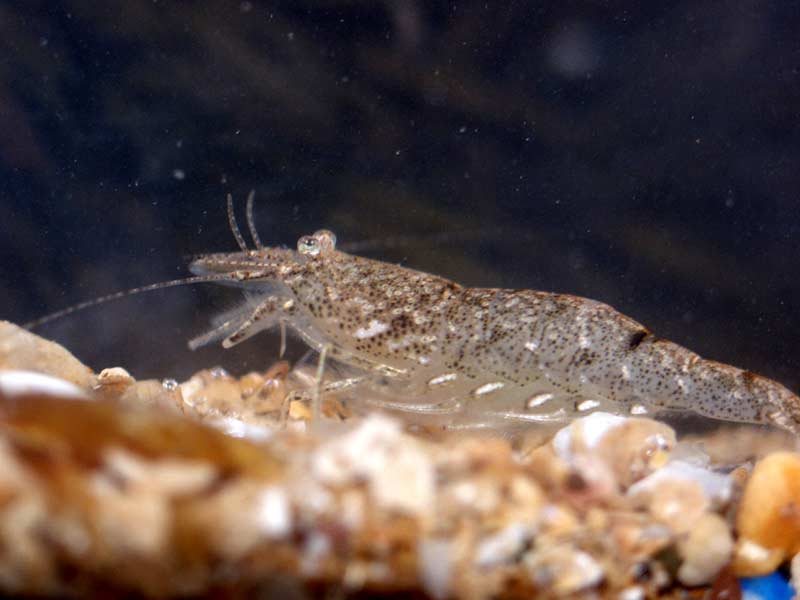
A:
19, 383
274, 512
400, 475
716, 487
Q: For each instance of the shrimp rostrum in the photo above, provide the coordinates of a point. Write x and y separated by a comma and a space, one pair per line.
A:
425, 345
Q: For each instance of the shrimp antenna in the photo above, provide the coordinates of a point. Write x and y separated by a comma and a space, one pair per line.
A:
117, 295
235, 227
251, 224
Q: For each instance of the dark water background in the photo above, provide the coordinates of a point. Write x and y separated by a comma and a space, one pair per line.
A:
645, 154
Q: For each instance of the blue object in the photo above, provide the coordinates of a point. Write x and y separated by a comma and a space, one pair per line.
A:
767, 587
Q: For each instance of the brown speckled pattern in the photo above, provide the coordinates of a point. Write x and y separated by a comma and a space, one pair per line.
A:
487, 353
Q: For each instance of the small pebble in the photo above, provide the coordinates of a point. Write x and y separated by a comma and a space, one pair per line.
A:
631, 448
705, 551
564, 571
114, 376
769, 515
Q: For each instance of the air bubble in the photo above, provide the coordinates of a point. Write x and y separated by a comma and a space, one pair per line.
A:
169, 384
219, 372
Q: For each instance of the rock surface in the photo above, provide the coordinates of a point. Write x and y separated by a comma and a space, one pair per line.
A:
22, 350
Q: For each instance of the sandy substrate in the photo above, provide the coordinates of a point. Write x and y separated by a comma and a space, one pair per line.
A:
223, 485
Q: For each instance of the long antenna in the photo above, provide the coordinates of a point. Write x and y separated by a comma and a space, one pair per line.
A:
235, 227
137, 290
251, 224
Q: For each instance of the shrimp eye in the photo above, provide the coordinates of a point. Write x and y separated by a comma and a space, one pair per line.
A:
308, 244
327, 239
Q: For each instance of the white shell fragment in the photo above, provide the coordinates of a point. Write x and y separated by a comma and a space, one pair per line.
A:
19, 383
589, 430
399, 475
716, 486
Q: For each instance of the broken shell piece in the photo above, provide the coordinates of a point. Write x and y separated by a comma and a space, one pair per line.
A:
717, 487
769, 514
679, 493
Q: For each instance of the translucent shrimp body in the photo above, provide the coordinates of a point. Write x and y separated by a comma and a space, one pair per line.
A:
428, 346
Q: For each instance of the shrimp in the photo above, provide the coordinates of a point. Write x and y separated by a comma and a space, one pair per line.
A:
425, 345
468, 357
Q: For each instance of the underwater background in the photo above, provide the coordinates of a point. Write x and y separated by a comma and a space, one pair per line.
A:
642, 154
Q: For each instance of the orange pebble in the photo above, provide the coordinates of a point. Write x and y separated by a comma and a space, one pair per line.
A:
768, 520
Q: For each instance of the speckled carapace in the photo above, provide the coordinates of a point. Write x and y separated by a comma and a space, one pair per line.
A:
422, 344
428, 346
